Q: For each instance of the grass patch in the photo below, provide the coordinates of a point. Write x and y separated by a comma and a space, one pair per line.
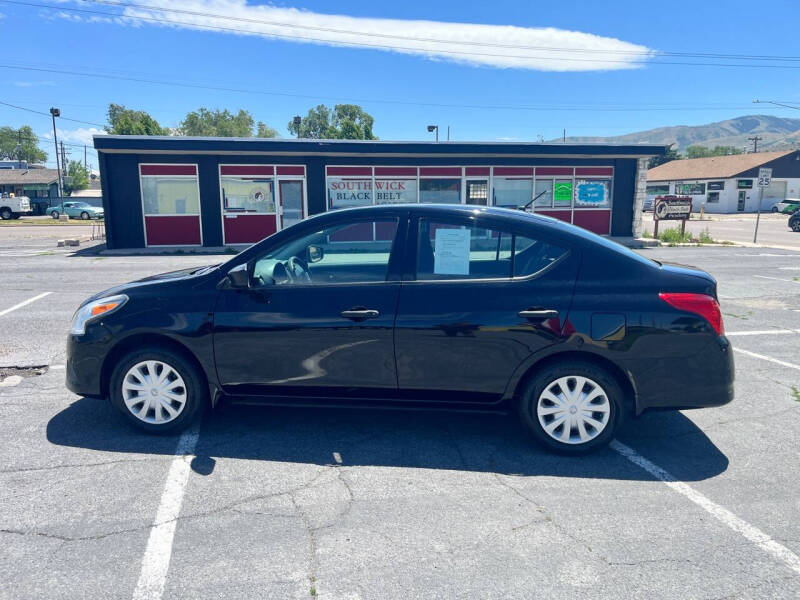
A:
647, 235
48, 222
795, 393
673, 235
705, 237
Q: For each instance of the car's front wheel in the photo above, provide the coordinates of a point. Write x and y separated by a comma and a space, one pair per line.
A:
572, 407
158, 390
6, 214
796, 225
54, 214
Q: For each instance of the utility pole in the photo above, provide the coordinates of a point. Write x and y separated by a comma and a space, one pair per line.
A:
84, 157
63, 160
57, 113
448, 133
755, 139
564, 136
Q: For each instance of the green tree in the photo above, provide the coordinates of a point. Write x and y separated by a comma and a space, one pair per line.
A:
28, 143
703, 152
223, 123
265, 131
344, 122
671, 154
126, 121
79, 177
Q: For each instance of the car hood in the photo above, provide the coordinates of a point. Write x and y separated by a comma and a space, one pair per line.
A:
170, 276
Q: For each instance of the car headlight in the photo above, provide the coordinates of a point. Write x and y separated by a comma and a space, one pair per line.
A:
94, 310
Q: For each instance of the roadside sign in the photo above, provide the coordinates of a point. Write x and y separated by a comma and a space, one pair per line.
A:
671, 208
764, 177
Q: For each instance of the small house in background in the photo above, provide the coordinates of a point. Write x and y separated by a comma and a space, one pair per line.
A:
728, 184
40, 185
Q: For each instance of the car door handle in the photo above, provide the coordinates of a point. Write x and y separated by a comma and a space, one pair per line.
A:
538, 313
359, 314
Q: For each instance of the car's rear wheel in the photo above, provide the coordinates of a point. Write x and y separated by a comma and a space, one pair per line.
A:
158, 390
6, 214
796, 225
85, 216
572, 407
54, 214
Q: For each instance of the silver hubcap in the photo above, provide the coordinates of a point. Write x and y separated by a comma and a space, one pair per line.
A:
573, 409
154, 392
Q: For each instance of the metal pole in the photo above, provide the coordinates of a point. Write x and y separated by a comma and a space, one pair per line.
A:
448, 133
437, 133
758, 214
58, 166
84, 157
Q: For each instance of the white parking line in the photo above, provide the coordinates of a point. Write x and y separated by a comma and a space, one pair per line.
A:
763, 332
723, 515
155, 563
776, 278
24, 303
769, 358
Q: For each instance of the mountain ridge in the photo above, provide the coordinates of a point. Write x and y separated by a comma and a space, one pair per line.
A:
778, 133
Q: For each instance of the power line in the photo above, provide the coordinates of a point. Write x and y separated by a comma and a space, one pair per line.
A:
38, 112
401, 48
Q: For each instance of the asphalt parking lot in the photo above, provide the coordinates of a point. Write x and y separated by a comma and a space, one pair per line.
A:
293, 503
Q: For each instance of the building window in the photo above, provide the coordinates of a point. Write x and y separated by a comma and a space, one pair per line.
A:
716, 185
345, 192
712, 197
512, 192
562, 193
167, 191
253, 195
658, 190
477, 191
592, 193
543, 193
690, 189
440, 191
395, 191
744, 184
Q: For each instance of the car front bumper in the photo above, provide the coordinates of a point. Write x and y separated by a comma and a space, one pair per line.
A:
85, 357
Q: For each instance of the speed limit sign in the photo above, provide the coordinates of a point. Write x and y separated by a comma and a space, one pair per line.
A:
764, 177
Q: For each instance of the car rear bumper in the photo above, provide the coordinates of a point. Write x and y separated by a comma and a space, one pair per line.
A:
693, 381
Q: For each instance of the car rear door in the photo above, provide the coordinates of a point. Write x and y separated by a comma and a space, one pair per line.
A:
330, 336
482, 296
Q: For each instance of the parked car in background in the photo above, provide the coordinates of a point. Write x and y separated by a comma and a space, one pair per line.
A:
77, 210
794, 221
13, 207
788, 206
420, 306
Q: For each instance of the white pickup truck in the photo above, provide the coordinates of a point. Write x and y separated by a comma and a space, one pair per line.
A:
13, 207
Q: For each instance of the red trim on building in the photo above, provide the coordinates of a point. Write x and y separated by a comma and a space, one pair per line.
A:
246, 170
248, 229
440, 171
168, 169
604, 171
471, 171
291, 170
597, 221
550, 171
394, 171
514, 171
349, 171
561, 215
172, 230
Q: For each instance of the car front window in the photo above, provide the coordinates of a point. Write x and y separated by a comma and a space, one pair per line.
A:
354, 252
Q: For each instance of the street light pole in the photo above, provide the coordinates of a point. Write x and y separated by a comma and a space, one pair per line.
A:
54, 112
432, 128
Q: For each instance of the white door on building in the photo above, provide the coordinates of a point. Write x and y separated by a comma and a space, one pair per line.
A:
773, 194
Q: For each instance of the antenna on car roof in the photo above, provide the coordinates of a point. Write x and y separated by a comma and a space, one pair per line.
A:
535, 198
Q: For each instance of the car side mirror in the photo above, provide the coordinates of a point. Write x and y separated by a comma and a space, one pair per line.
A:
314, 254
239, 277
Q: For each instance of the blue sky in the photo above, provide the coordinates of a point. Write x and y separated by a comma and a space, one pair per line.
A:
620, 87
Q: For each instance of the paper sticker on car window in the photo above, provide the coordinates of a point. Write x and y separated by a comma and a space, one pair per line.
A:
451, 252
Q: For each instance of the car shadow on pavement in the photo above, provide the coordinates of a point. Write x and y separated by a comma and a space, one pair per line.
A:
425, 440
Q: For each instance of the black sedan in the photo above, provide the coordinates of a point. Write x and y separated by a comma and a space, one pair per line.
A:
415, 306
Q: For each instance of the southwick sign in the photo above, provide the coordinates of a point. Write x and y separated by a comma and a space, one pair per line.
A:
671, 208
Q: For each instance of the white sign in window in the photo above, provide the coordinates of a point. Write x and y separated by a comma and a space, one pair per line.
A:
346, 192
395, 191
248, 194
512, 192
165, 195
451, 252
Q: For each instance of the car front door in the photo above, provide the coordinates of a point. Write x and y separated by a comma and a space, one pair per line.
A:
317, 316
483, 298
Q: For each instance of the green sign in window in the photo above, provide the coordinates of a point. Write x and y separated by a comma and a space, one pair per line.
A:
562, 193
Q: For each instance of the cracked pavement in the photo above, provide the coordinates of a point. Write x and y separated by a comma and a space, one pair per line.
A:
422, 505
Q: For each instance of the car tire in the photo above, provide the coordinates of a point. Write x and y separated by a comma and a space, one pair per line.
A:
54, 214
6, 214
796, 226
182, 390
85, 216
549, 404
775, 209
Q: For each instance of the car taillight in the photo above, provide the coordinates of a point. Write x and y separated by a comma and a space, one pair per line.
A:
700, 304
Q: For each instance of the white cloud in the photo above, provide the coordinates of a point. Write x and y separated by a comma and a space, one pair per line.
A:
81, 135
499, 46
